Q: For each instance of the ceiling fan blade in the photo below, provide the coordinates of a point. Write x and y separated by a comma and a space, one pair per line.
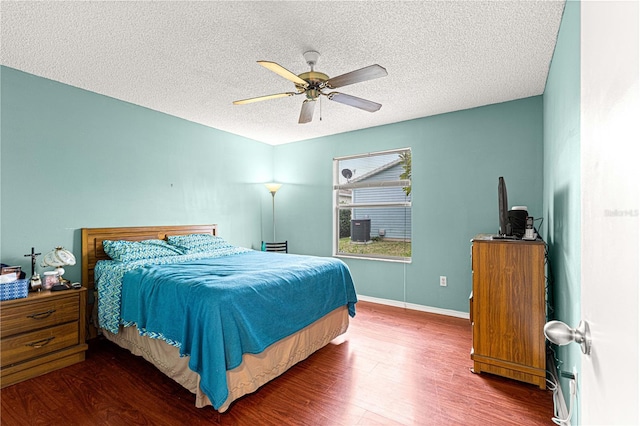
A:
363, 74
264, 98
283, 72
306, 113
354, 101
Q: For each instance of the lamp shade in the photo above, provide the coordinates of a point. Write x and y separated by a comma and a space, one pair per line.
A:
273, 187
58, 257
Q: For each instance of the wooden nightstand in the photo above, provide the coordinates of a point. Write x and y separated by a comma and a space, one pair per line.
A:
40, 333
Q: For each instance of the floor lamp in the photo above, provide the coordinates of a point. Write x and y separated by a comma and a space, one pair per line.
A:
273, 188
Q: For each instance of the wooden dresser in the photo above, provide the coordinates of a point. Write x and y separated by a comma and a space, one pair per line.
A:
40, 333
508, 308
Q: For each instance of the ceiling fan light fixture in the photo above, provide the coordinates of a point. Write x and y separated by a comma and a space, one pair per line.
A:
313, 94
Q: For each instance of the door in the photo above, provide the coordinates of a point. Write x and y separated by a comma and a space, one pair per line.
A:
608, 387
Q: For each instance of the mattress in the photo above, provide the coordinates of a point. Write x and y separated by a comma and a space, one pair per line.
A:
255, 369
227, 305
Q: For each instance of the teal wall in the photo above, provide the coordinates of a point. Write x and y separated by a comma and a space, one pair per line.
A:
561, 202
74, 159
457, 159
124, 165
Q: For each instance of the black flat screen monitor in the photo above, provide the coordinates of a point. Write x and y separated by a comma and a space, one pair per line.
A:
503, 209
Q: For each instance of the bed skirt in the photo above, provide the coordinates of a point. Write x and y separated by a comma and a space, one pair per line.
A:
255, 369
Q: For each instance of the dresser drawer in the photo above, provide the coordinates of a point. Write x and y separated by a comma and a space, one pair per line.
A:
34, 316
30, 345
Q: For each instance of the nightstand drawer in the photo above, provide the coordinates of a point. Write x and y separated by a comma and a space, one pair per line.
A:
30, 345
33, 316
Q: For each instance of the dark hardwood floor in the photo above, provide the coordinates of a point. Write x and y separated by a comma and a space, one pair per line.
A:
394, 366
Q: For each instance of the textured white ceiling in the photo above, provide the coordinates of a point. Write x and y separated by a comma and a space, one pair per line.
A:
192, 59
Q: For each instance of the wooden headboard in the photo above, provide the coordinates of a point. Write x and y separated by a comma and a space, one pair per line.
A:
92, 250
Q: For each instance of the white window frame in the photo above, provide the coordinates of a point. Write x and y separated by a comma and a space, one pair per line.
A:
354, 185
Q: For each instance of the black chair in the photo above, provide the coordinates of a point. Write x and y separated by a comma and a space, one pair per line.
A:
282, 247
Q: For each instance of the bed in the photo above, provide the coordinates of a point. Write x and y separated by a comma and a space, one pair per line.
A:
221, 321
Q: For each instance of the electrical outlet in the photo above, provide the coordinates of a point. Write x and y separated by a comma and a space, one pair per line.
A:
443, 281
573, 376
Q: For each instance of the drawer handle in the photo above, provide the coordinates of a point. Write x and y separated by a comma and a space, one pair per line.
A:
41, 343
42, 315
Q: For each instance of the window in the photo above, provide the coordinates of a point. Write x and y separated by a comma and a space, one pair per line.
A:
372, 200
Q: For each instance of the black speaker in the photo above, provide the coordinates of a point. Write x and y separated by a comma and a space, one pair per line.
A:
518, 222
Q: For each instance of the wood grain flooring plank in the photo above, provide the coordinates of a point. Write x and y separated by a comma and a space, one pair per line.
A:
393, 367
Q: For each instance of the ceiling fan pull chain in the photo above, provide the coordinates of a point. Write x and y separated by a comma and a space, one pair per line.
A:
320, 100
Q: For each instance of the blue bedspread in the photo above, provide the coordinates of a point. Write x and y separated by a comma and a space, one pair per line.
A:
219, 308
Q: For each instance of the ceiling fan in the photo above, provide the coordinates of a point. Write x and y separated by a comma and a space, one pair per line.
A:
312, 84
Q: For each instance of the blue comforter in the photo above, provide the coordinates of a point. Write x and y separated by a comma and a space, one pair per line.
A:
219, 308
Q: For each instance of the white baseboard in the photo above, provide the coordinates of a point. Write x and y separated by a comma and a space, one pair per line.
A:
415, 307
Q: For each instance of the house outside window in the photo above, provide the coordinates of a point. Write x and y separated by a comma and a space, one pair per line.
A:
372, 205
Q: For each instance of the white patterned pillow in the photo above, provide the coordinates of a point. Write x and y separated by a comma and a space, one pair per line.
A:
128, 251
198, 243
